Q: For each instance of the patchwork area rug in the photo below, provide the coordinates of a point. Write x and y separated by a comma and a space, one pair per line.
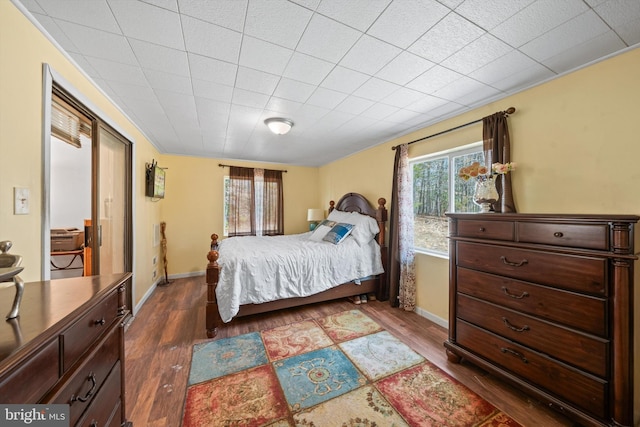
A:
340, 370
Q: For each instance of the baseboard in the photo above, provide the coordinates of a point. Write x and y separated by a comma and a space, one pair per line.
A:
146, 296
432, 317
183, 275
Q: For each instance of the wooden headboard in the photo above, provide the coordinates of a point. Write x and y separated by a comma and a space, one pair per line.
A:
354, 202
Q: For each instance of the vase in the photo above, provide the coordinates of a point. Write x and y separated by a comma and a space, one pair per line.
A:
485, 193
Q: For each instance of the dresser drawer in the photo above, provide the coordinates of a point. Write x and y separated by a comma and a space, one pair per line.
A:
580, 350
88, 328
588, 236
82, 387
573, 272
498, 230
105, 408
33, 378
585, 391
583, 312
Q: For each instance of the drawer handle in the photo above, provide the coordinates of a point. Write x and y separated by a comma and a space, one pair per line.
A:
481, 229
100, 322
92, 379
94, 423
513, 264
514, 353
507, 293
558, 234
514, 328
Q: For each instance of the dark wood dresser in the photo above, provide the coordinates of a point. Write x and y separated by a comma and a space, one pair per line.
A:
67, 346
546, 303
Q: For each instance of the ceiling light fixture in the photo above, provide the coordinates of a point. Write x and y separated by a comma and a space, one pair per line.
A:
278, 125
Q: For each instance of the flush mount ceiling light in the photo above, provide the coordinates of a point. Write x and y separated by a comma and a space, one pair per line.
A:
278, 125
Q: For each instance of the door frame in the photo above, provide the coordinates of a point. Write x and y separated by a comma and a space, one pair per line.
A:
50, 76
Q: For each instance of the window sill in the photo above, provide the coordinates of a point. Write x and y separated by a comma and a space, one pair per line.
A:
431, 253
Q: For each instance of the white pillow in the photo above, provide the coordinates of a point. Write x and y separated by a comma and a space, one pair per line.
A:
365, 228
321, 230
340, 216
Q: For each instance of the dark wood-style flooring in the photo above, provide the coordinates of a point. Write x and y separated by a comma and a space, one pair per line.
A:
159, 342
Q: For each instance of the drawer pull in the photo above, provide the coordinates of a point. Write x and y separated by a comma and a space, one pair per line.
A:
514, 353
94, 423
558, 234
94, 383
481, 229
513, 328
513, 264
100, 322
507, 293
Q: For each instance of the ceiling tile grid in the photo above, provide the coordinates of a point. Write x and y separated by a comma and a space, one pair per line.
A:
199, 77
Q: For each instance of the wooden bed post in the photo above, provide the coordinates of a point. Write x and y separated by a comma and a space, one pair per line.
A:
381, 218
212, 276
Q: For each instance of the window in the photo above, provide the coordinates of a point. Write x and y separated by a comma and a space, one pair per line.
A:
436, 190
253, 202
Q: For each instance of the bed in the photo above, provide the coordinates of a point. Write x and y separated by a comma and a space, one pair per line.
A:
228, 274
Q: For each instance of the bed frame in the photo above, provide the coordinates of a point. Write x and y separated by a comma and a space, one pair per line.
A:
350, 202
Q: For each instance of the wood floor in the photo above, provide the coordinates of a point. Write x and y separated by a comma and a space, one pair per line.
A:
160, 339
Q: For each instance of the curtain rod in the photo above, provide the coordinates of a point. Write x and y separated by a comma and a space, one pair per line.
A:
228, 166
508, 111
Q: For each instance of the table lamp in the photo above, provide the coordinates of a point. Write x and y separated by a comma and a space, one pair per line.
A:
314, 216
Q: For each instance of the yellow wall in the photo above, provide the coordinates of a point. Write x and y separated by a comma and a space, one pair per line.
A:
23, 50
193, 206
575, 140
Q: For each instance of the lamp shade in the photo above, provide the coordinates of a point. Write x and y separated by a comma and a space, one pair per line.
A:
315, 214
278, 125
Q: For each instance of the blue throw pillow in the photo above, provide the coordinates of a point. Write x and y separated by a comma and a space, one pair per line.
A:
338, 233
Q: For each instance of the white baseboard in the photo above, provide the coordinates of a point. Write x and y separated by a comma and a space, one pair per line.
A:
183, 275
435, 319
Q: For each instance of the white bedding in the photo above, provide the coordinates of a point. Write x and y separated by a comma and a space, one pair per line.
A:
261, 269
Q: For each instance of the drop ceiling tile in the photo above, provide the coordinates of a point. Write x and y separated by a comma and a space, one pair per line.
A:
503, 67
426, 104
446, 111
536, 19
50, 25
354, 105
256, 81
33, 6
359, 14
344, 80
96, 12
212, 70
249, 99
82, 62
405, 116
433, 79
586, 52
416, 16
130, 92
618, 12
146, 22
161, 58
326, 98
264, 56
309, 4
212, 90
178, 102
307, 69
119, 72
488, 14
403, 97
404, 68
446, 38
198, 35
294, 90
327, 39
212, 114
451, 4
169, 82
171, 5
96, 43
284, 107
379, 111
228, 14
376, 89
369, 55
277, 21
479, 52
524, 78
630, 32
562, 38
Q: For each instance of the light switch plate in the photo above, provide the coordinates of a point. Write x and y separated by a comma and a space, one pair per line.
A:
20, 201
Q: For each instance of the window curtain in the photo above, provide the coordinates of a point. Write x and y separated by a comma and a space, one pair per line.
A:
497, 149
402, 278
272, 203
242, 220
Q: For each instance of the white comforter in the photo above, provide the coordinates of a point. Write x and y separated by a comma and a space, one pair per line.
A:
261, 269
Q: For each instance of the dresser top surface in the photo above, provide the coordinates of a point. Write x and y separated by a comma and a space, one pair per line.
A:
46, 307
542, 217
